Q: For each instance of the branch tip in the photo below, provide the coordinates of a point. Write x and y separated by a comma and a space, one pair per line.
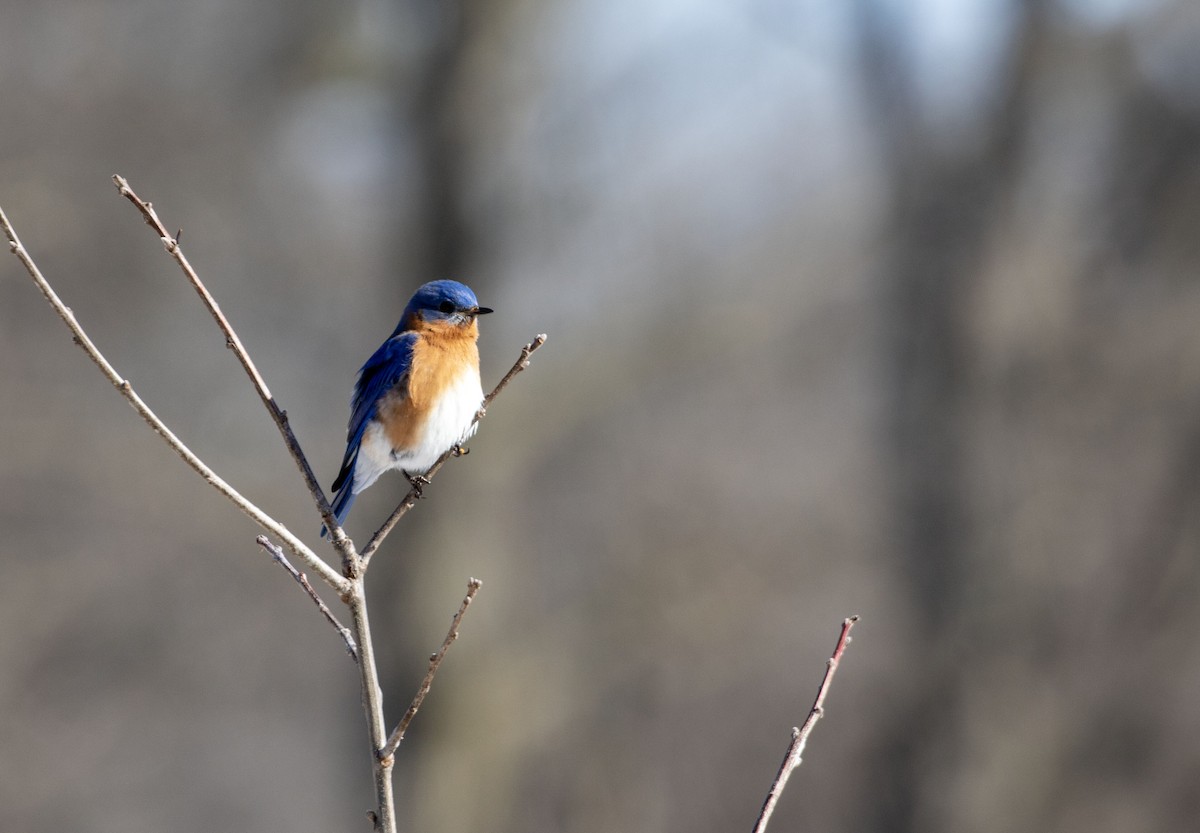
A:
792, 758
435, 661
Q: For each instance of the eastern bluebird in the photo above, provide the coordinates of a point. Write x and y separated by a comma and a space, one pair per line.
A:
417, 395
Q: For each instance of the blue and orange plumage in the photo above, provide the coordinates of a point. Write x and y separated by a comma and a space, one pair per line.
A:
417, 395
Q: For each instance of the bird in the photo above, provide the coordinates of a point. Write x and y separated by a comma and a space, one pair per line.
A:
417, 396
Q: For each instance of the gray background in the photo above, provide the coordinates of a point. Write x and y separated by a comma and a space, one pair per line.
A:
854, 307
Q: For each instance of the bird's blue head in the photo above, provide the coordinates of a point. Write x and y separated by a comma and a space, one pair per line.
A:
442, 301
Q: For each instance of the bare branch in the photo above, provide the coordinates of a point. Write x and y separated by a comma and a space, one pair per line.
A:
171, 244
410, 499
800, 736
521, 363
372, 699
277, 554
350, 586
435, 661
126, 389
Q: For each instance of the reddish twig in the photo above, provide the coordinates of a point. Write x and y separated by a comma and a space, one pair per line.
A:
800, 736
435, 661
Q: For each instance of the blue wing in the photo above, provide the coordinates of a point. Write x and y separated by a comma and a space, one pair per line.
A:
385, 369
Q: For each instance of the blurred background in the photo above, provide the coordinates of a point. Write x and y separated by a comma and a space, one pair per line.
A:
874, 307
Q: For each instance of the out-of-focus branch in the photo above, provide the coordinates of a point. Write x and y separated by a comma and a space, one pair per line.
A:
800, 736
171, 244
277, 554
123, 386
410, 499
435, 661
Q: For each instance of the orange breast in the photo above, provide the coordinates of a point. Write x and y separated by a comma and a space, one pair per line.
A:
439, 358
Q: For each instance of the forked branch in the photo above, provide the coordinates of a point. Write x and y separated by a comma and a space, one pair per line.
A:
278, 415
350, 586
269, 524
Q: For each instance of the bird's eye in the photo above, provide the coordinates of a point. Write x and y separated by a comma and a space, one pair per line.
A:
446, 306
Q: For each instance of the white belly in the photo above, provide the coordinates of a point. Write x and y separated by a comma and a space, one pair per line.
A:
449, 423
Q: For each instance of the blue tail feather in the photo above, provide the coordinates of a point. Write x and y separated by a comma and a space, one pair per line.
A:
342, 502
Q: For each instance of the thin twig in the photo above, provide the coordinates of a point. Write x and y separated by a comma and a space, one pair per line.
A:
435, 661
800, 736
171, 244
410, 499
521, 363
327, 574
276, 552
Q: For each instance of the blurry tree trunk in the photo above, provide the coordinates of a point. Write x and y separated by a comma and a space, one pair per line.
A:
942, 200
428, 106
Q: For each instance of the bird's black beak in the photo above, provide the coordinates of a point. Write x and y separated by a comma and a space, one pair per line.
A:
481, 310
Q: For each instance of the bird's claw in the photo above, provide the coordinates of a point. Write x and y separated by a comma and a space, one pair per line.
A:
461, 451
419, 482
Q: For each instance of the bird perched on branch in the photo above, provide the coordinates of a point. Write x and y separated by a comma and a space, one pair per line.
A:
417, 395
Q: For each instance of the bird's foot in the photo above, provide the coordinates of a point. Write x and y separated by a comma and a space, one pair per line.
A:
419, 482
460, 451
